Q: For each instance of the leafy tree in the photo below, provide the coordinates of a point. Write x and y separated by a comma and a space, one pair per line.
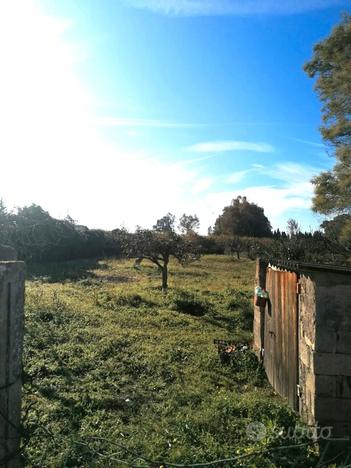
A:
189, 224
158, 247
338, 228
6, 223
331, 66
3, 212
36, 233
37, 236
234, 245
293, 227
242, 218
165, 224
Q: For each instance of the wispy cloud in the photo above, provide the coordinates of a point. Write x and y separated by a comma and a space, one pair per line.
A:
232, 7
236, 177
230, 145
202, 185
290, 193
287, 192
150, 123
310, 143
289, 172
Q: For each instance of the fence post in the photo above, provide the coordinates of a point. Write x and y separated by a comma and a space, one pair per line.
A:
12, 278
260, 280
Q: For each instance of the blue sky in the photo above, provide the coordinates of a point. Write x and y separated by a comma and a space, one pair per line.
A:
117, 112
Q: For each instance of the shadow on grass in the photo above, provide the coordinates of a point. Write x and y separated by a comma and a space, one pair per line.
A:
58, 272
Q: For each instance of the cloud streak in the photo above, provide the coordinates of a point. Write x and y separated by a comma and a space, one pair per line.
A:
310, 143
289, 172
236, 177
148, 123
232, 7
230, 145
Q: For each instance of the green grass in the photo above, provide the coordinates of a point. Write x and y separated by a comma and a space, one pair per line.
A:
117, 374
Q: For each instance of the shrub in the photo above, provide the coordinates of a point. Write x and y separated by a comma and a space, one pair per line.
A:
188, 303
111, 301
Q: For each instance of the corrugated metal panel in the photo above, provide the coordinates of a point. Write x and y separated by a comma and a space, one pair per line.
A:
297, 266
280, 357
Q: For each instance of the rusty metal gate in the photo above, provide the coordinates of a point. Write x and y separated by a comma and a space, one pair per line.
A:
281, 333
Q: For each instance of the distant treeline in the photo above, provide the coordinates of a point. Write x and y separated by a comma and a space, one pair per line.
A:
37, 236
303, 247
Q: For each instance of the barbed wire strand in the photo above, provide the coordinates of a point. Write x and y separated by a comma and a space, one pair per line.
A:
149, 463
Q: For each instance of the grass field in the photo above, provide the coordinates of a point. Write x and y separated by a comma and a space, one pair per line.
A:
117, 374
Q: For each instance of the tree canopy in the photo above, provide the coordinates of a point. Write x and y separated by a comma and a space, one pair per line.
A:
189, 224
165, 224
292, 227
331, 66
242, 218
158, 246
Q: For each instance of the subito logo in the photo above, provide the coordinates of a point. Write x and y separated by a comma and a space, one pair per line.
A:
256, 431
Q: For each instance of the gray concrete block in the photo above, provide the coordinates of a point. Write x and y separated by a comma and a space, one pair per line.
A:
325, 386
332, 409
343, 342
332, 364
343, 386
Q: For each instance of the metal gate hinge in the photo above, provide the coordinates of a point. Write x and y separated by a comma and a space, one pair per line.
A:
299, 390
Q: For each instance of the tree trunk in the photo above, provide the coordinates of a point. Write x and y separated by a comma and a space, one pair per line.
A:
165, 278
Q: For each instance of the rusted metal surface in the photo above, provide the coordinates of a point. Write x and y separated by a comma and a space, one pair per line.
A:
280, 333
292, 265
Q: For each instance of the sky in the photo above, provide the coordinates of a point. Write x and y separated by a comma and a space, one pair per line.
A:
119, 111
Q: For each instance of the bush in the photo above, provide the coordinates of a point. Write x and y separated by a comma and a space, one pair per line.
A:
188, 303
112, 301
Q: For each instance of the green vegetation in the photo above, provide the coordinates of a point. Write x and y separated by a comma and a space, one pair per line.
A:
159, 245
242, 218
39, 237
331, 66
118, 374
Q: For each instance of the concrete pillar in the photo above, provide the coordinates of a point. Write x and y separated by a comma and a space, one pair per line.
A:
12, 278
260, 280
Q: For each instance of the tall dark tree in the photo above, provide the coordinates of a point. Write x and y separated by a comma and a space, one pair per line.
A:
331, 66
242, 218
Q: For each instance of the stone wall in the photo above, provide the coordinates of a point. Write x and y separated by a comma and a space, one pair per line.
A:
324, 344
11, 338
325, 349
306, 346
